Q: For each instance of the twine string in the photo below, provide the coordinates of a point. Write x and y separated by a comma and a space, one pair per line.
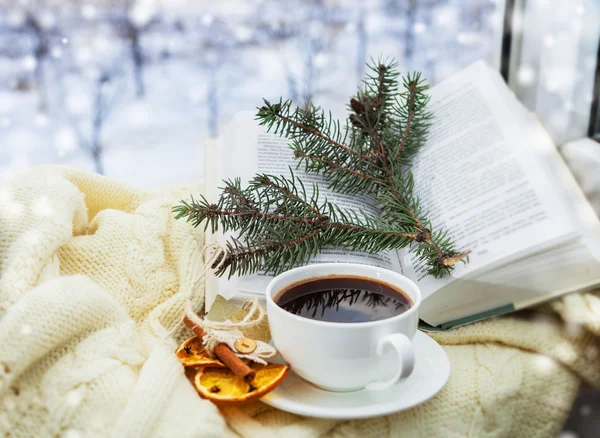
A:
219, 254
216, 332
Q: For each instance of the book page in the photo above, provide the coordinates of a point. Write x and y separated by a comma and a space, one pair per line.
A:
479, 178
247, 149
564, 183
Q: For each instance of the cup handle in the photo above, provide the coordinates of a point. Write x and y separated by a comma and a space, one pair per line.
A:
406, 359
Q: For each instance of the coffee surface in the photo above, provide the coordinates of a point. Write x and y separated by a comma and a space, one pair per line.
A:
343, 299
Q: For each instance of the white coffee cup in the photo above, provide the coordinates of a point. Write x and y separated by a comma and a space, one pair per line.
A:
345, 356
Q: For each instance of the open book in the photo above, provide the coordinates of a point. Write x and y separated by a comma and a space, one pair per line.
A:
488, 173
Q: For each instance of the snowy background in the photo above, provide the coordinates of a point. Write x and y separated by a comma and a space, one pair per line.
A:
131, 89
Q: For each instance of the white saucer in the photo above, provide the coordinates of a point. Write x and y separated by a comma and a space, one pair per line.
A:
432, 370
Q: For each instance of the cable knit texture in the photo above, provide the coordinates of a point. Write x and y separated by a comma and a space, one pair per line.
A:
93, 275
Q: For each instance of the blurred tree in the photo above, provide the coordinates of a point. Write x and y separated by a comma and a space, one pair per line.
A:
219, 58
362, 39
305, 39
406, 10
38, 22
316, 42
411, 23
93, 81
212, 61
14, 47
276, 28
88, 126
92, 142
136, 18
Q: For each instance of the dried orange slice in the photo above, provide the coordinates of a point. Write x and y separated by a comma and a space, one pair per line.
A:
192, 354
223, 387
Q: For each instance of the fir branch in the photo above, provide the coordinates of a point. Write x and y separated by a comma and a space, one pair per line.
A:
279, 225
395, 126
303, 122
276, 239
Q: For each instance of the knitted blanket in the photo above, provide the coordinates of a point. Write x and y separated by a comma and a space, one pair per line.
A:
92, 278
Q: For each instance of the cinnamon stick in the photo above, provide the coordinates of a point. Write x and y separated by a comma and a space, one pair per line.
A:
225, 354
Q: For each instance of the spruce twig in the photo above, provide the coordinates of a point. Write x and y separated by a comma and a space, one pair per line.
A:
280, 225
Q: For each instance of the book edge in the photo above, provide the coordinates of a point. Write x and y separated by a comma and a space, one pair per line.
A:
503, 310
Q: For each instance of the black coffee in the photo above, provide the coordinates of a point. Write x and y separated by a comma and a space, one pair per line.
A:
343, 299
